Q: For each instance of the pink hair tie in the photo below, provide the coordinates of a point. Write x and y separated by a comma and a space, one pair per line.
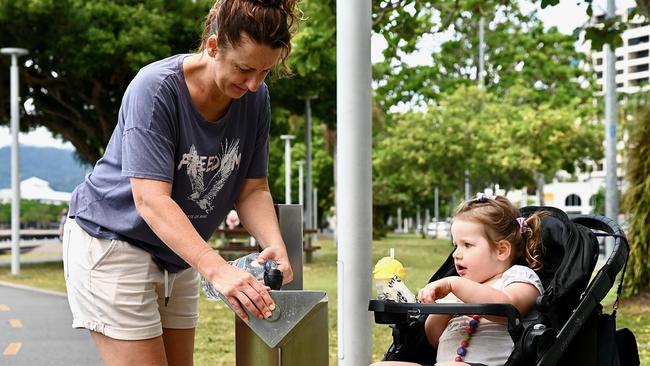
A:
522, 225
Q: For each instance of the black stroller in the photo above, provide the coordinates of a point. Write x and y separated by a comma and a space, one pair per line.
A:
567, 327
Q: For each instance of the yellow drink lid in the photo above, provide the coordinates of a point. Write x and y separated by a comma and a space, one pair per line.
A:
388, 267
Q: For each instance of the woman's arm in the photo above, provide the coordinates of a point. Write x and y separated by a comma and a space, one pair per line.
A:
257, 214
154, 204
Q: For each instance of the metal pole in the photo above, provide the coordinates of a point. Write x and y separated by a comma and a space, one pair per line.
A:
308, 199
611, 180
436, 208
315, 207
301, 194
427, 218
15, 172
354, 188
335, 234
287, 167
453, 204
481, 50
541, 181
481, 66
399, 219
467, 185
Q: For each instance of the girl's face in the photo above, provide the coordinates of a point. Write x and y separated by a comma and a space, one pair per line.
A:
474, 257
243, 68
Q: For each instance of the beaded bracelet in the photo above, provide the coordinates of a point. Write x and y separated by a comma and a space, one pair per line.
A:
464, 344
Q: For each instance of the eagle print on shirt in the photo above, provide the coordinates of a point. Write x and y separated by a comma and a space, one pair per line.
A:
199, 168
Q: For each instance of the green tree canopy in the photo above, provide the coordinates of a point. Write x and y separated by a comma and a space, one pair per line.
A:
518, 51
84, 54
500, 141
313, 62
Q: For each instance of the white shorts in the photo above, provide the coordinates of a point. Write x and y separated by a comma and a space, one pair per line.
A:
116, 289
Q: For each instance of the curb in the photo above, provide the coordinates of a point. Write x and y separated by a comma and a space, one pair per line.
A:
34, 289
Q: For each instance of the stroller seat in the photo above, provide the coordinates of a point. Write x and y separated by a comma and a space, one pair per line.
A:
567, 325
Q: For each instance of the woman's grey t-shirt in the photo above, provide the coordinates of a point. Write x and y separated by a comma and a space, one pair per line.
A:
160, 135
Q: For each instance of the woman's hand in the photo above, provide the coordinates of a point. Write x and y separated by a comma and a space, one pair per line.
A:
435, 290
164, 216
242, 289
278, 253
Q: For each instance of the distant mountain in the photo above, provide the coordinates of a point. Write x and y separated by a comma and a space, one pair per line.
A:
57, 166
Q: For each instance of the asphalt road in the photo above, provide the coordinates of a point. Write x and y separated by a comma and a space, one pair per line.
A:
35, 329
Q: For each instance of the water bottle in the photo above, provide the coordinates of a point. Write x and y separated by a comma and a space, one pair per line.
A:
268, 272
389, 275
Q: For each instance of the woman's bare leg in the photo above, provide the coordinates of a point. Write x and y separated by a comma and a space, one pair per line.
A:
116, 352
179, 346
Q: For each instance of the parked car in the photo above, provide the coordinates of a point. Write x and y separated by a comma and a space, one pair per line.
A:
440, 229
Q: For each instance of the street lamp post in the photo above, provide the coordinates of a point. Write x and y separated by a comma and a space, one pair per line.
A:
468, 186
354, 180
436, 205
300, 164
308, 196
15, 175
287, 167
315, 208
611, 111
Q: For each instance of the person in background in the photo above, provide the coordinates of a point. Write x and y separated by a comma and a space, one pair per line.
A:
232, 220
63, 216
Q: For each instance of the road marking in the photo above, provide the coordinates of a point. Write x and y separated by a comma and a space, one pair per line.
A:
12, 349
15, 323
4, 307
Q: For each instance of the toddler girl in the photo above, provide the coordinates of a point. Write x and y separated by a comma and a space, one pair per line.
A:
495, 257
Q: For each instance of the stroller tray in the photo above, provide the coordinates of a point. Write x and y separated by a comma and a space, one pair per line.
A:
390, 312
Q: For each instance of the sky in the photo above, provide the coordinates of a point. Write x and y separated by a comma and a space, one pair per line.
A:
566, 16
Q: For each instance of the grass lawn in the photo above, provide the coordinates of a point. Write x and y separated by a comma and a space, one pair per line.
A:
215, 333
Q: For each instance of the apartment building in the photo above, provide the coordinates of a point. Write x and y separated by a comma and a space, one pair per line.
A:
632, 76
632, 57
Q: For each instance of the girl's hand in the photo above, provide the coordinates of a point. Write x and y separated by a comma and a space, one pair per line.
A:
279, 255
435, 290
242, 289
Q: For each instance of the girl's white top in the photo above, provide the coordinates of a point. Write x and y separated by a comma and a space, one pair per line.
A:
491, 344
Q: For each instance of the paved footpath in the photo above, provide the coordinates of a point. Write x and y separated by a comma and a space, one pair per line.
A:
35, 329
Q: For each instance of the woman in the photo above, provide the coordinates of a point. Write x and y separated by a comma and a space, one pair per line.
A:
191, 142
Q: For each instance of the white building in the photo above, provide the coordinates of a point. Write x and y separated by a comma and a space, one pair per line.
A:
36, 189
632, 76
571, 197
632, 58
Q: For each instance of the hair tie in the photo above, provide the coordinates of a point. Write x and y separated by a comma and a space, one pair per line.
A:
522, 225
482, 197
